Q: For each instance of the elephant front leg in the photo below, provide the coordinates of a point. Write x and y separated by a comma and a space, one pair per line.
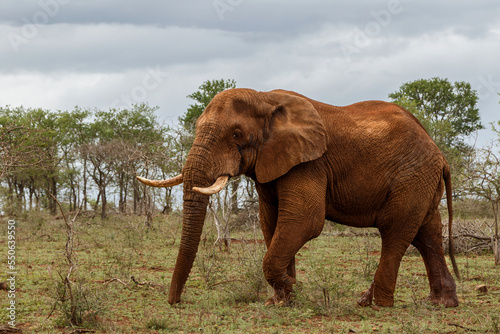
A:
283, 286
279, 261
300, 218
367, 297
280, 278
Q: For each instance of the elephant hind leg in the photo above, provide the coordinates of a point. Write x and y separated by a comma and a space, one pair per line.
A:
382, 288
394, 245
428, 241
384, 283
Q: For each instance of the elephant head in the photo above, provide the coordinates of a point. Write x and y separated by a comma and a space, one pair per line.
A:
242, 131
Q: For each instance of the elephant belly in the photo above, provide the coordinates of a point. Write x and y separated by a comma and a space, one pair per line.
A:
361, 220
359, 208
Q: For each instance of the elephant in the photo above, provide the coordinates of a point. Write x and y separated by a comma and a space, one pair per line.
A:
369, 164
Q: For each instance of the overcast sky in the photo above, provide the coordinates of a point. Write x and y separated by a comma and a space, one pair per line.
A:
57, 54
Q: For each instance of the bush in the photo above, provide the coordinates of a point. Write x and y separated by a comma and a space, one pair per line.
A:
81, 307
469, 208
250, 283
470, 236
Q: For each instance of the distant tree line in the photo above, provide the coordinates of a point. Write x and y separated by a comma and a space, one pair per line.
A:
78, 156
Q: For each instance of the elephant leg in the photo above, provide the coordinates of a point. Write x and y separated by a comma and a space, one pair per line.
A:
268, 216
283, 284
367, 297
282, 296
384, 283
398, 224
301, 216
429, 243
279, 266
290, 270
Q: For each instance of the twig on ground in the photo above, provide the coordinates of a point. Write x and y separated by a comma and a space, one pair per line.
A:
150, 284
82, 330
8, 329
460, 326
111, 280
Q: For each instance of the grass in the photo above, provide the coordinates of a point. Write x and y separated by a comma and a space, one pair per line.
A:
226, 291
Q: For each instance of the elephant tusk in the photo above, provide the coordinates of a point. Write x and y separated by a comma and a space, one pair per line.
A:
162, 183
214, 188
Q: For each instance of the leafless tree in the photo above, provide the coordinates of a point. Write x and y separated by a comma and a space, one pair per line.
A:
484, 182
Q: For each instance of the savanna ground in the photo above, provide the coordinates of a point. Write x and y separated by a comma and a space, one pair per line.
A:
226, 291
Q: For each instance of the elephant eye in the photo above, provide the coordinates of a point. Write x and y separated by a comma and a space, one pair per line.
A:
237, 134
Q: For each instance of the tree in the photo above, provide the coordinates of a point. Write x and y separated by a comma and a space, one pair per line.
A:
22, 157
31, 153
18, 142
450, 115
484, 182
73, 133
46, 122
203, 96
448, 111
58, 156
137, 131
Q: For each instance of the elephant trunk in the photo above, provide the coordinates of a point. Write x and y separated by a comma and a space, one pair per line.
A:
194, 212
194, 215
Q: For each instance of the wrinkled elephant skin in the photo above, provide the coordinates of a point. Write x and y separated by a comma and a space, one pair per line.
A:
370, 164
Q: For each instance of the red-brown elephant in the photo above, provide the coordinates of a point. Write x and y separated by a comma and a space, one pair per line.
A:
370, 164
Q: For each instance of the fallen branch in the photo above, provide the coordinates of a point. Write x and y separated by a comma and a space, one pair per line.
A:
82, 330
481, 246
479, 237
8, 329
460, 326
111, 280
150, 284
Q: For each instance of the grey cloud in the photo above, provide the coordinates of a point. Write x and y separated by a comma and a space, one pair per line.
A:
110, 48
286, 17
92, 52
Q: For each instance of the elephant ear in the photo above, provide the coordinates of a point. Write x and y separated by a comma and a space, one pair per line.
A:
294, 133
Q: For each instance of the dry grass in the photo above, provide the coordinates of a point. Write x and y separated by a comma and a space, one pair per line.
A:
226, 291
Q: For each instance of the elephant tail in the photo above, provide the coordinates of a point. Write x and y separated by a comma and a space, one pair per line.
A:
447, 182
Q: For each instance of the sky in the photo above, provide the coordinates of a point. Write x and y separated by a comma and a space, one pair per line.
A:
58, 54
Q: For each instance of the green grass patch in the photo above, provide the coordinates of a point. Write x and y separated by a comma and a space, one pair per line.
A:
226, 290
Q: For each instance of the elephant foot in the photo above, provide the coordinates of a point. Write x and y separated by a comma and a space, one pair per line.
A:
449, 300
281, 298
381, 299
385, 303
274, 302
444, 294
270, 302
366, 297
